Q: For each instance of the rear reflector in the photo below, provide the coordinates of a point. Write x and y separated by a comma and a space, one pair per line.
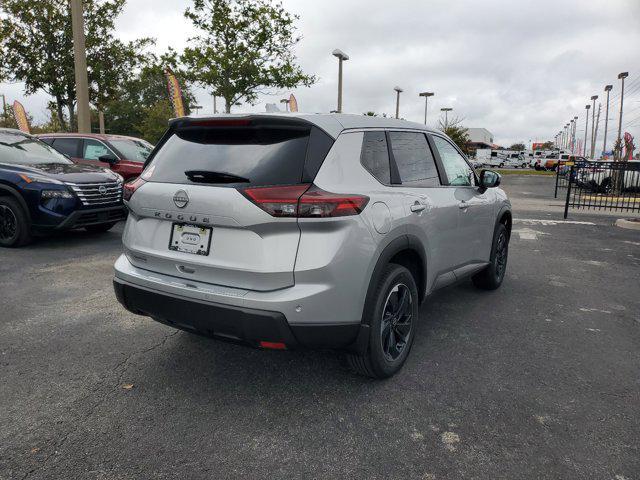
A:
305, 201
273, 345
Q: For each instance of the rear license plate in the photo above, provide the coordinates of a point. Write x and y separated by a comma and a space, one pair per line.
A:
190, 239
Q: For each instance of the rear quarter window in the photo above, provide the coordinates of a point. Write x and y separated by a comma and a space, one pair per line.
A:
375, 156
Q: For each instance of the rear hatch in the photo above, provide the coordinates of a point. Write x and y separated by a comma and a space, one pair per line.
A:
193, 217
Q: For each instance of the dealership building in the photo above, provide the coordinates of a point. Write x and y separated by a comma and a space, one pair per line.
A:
479, 138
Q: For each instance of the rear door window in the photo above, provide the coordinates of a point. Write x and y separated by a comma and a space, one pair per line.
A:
413, 157
375, 156
68, 146
232, 157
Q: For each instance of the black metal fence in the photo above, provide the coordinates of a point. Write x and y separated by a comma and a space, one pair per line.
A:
611, 186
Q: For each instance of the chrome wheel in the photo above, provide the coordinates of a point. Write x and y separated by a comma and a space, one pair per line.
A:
8, 223
395, 328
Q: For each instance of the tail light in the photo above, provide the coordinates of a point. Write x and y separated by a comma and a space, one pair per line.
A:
305, 201
130, 188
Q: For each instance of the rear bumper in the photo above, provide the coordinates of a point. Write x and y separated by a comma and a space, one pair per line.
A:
230, 322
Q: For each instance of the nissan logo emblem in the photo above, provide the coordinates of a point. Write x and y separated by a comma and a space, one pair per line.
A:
102, 189
181, 199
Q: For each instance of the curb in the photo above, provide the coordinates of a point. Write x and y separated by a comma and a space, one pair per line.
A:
629, 224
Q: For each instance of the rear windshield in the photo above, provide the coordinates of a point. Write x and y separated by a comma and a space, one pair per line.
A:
257, 156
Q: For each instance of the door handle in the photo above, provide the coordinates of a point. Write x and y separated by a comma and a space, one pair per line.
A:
417, 207
184, 269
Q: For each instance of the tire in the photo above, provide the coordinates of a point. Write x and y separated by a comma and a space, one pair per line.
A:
15, 228
392, 327
101, 228
492, 276
606, 186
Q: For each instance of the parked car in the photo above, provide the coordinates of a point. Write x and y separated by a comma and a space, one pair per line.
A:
307, 230
123, 155
43, 191
600, 177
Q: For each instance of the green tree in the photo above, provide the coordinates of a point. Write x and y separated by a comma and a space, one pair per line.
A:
142, 95
245, 48
455, 131
517, 146
548, 146
36, 47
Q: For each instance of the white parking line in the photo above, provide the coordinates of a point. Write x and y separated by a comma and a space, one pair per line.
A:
529, 234
535, 221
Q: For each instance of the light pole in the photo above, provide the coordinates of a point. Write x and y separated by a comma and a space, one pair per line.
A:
573, 137
586, 130
446, 115
426, 96
593, 125
398, 92
4, 110
570, 143
621, 76
341, 58
80, 67
286, 104
607, 89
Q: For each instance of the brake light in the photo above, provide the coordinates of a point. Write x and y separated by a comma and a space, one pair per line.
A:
305, 201
235, 122
129, 188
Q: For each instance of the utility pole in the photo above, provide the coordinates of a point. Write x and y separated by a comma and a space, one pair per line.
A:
426, 96
607, 89
341, 58
398, 92
586, 131
621, 76
446, 115
593, 148
80, 64
593, 125
4, 110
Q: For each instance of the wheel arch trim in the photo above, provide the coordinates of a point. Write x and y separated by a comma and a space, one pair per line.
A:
16, 194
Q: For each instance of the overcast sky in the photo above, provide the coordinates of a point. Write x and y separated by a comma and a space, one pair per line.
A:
520, 69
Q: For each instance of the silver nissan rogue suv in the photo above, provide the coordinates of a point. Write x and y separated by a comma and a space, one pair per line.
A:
292, 230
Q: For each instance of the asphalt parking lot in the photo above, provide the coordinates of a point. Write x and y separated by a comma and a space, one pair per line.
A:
539, 379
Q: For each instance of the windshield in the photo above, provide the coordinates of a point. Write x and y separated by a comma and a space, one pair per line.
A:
134, 150
18, 148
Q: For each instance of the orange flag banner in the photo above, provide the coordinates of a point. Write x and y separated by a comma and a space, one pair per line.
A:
20, 115
175, 93
293, 103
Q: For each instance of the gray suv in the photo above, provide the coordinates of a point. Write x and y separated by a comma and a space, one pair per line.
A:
325, 231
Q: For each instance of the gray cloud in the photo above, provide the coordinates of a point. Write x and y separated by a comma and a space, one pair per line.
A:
521, 69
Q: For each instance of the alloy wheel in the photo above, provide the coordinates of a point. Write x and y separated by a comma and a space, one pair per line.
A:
8, 223
501, 255
396, 324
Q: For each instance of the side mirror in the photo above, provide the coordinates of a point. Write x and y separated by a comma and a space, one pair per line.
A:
489, 179
110, 159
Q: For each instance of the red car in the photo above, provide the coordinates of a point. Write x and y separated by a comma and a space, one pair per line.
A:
123, 155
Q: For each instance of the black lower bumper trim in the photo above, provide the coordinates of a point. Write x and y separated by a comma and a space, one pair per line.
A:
232, 323
94, 216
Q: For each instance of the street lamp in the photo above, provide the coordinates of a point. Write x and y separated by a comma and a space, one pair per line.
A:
398, 92
621, 76
446, 115
607, 89
426, 96
593, 125
341, 58
586, 130
573, 135
286, 104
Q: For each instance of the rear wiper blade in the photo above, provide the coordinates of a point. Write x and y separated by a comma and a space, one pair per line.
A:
208, 176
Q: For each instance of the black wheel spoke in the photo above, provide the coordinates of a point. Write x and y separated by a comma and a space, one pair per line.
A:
396, 323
